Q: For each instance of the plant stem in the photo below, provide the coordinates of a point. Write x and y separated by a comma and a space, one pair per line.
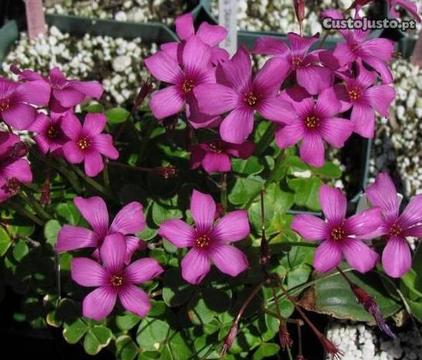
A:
129, 167
33, 202
94, 184
24, 212
223, 191
298, 243
265, 140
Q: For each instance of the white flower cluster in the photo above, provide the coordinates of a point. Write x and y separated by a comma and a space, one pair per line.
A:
397, 144
279, 15
128, 10
360, 342
114, 62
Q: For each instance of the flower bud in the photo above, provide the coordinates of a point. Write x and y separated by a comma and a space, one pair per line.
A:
299, 6
284, 336
231, 336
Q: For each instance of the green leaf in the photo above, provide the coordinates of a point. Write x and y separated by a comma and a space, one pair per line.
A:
117, 115
51, 229
20, 250
306, 192
127, 321
266, 350
152, 334
207, 304
126, 348
93, 107
69, 213
334, 297
161, 213
97, 338
250, 166
176, 291
329, 170
244, 190
5, 241
73, 332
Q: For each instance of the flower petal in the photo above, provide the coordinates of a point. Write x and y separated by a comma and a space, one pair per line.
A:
358, 255
87, 272
195, 266
94, 211
327, 256
166, 102
268, 79
364, 222
129, 220
202, 207
94, 124
237, 126
73, 153
196, 55
177, 232
314, 78
233, 226
214, 99
214, 162
184, 26
412, 214
383, 193
267, 45
312, 150
91, 89
396, 257
237, 72
93, 164
143, 270
309, 227
289, 135
99, 303
277, 110
336, 131
71, 126
113, 252
327, 105
135, 300
211, 34
19, 170
333, 203
163, 67
380, 98
229, 260
103, 143
68, 97
19, 116
363, 116
380, 67
75, 237
35, 92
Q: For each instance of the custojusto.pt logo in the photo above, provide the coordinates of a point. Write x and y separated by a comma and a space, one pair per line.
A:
365, 23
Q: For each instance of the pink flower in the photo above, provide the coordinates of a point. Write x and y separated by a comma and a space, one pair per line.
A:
14, 169
241, 95
407, 5
375, 53
396, 257
364, 98
49, 134
315, 123
17, 101
87, 143
209, 242
128, 221
113, 279
339, 236
66, 93
214, 156
196, 69
305, 64
212, 35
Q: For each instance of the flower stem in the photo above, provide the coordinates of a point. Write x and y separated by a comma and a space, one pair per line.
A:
265, 140
36, 206
94, 184
24, 212
223, 191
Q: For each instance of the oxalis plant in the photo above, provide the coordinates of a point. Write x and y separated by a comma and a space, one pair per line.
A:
195, 228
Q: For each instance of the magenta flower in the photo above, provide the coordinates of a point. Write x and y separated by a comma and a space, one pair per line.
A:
66, 93
128, 221
14, 169
214, 156
209, 242
212, 35
315, 123
195, 70
396, 257
339, 236
364, 98
407, 5
17, 101
241, 95
113, 279
49, 137
87, 144
305, 64
375, 53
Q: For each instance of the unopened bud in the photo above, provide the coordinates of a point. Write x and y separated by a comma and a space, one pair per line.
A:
229, 340
167, 172
330, 348
12, 186
144, 91
284, 336
18, 150
299, 6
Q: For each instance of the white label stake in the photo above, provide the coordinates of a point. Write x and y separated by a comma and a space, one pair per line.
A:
227, 17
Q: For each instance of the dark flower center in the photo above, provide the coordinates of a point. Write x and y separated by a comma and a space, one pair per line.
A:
337, 234
296, 61
116, 280
84, 143
312, 122
187, 86
215, 147
354, 94
167, 172
203, 241
52, 132
4, 105
251, 99
12, 186
396, 230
